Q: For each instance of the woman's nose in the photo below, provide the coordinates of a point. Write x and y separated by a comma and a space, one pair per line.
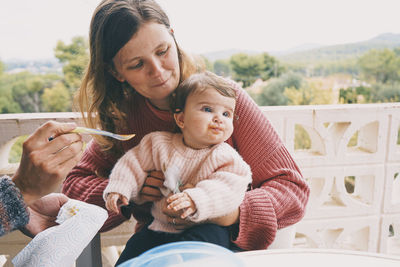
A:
155, 67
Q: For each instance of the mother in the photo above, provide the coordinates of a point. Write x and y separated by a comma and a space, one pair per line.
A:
135, 64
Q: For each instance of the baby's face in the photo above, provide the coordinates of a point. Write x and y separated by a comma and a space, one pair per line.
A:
207, 119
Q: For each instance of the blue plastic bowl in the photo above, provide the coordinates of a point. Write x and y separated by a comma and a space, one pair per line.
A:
186, 253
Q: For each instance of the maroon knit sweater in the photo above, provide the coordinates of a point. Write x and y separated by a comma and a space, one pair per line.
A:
278, 195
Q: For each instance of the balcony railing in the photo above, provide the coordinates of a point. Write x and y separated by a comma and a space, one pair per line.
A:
352, 164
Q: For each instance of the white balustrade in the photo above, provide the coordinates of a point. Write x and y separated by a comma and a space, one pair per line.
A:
365, 216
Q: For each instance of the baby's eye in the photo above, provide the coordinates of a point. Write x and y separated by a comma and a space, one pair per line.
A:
206, 109
226, 114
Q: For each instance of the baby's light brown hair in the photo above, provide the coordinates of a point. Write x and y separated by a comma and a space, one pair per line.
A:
196, 83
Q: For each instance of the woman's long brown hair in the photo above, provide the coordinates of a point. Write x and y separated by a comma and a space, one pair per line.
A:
101, 97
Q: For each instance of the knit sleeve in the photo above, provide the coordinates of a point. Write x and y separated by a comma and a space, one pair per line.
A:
88, 179
129, 173
13, 212
279, 193
224, 189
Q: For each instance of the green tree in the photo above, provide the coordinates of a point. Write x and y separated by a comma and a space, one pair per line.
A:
22, 92
352, 95
381, 66
308, 94
383, 93
2, 68
7, 103
246, 69
75, 57
26, 90
222, 67
273, 93
56, 99
271, 67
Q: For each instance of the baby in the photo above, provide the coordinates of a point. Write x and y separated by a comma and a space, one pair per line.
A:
203, 107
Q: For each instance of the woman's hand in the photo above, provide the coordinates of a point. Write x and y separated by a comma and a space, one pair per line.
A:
47, 157
151, 189
43, 213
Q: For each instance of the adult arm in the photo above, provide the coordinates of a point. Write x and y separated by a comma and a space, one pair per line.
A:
44, 164
279, 193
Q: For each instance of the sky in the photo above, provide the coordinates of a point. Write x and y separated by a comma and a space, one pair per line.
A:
30, 29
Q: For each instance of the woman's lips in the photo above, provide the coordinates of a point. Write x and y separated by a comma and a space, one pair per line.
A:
161, 83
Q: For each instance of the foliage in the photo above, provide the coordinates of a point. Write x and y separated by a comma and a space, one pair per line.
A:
380, 66
270, 67
302, 140
353, 95
381, 93
56, 99
222, 67
7, 103
273, 93
2, 68
22, 92
308, 94
16, 150
246, 68
75, 58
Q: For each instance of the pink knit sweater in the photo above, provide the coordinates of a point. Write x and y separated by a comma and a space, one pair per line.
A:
219, 174
279, 193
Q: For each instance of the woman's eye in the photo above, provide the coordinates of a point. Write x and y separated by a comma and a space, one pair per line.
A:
138, 65
163, 52
226, 114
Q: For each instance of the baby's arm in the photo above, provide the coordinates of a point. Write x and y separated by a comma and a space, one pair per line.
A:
182, 202
224, 189
114, 201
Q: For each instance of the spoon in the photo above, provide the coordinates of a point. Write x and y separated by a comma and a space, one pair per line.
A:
84, 130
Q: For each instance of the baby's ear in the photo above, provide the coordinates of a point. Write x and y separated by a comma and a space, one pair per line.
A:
179, 119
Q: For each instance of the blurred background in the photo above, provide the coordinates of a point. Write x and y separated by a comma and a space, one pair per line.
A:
284, 52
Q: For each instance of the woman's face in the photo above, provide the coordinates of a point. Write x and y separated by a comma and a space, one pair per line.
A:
149, 63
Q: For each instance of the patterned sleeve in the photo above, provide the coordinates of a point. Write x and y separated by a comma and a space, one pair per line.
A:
13, 211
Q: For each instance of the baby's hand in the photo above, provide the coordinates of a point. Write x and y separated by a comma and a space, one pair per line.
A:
114, 200
182, 201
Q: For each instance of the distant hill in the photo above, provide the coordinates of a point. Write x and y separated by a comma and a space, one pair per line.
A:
316, 53
343, 51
